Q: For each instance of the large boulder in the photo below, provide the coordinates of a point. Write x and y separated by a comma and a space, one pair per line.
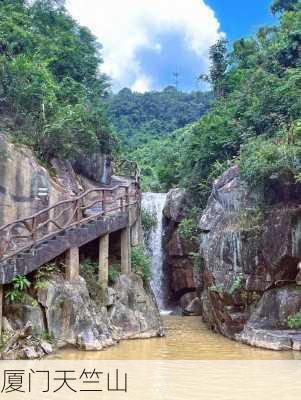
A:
134, 312
251, 245
268, 324
175, 205
72, 318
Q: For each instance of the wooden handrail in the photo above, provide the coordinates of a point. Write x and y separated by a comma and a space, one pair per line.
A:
64, 202
38, 227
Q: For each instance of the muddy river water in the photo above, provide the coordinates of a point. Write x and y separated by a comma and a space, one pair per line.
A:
187, 338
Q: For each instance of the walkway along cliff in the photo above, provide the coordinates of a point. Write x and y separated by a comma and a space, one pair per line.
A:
104, 217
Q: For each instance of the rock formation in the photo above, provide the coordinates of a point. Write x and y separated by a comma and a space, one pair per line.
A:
65, 312
26, 187
179, 265
251, 245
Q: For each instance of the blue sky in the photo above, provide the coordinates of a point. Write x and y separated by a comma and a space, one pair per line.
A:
240, 18
146, 41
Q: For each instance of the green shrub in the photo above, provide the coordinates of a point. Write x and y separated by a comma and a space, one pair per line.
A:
237, 284
43, 275
216, 288
89, 271
48, 336
20, 284
260, 158
89, 265
294, 320
188, 228
141, 263
149, 222
114, 272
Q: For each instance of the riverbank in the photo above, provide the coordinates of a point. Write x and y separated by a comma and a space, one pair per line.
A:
187, 338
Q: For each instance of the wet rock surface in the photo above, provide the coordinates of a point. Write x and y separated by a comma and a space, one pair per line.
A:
179, 265
251, 245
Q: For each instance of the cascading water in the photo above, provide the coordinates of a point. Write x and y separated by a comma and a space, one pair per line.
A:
154, 204
106, 171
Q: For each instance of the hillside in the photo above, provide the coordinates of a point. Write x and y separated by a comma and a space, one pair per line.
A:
139, 117
144, 121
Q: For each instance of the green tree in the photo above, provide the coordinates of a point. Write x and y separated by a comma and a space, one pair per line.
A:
218, 67
284, 5
51, 92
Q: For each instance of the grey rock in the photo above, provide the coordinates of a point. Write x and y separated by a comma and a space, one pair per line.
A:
250, 256
194, 307
72, 317
174, 207
18, 314
134, 313
6, 326
46, 347
111, 296
30, 353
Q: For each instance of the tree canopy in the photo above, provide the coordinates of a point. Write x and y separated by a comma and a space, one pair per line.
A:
139, 117
51, 90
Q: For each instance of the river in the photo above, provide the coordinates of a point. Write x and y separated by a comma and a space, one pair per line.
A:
187, 338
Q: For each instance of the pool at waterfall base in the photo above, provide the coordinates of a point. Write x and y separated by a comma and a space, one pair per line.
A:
187, 338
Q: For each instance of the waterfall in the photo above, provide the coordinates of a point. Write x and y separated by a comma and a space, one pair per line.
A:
105, 171
154, 204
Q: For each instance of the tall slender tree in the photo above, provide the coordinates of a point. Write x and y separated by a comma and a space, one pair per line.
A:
218, 67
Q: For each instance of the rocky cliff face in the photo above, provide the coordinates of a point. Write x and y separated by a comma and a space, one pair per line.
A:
26, 187
179, 265
251, 245
65, 312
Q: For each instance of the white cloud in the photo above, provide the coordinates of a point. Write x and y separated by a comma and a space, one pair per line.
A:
126, 26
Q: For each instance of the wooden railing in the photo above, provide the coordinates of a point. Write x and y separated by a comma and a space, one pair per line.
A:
22, 234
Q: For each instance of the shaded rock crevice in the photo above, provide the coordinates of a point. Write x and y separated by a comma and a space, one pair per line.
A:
184, 283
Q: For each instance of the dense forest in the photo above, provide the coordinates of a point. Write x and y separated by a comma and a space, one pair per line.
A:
140, 116
51, 90
144, 120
